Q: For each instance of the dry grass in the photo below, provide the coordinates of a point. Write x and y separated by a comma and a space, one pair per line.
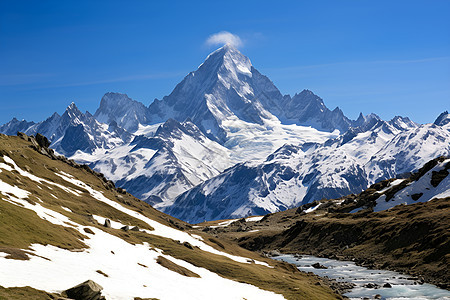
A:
175, 268
27, 292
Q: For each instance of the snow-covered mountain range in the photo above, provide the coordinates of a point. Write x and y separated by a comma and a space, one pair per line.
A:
226, 143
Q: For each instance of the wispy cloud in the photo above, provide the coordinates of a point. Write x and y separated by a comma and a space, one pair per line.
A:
224, 37
139, 77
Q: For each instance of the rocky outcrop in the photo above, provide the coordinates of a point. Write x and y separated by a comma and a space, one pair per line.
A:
88, 290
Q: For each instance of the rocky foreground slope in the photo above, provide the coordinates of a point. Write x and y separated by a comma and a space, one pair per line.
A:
396, 224
62, 224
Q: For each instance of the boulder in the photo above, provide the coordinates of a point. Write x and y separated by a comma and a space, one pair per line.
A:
22, 135
318, 266
371, 285
42, 140
88, 290
107, 223
187, 245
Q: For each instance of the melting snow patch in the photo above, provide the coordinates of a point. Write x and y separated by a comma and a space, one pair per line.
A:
311, 209
66, 209
390, 185
33, 177
254, 219
224, 223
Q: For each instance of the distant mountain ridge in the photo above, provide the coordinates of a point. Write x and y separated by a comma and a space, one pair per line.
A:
296, 175
227, 143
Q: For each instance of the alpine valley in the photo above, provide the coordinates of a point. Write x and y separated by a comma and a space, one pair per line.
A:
226, 143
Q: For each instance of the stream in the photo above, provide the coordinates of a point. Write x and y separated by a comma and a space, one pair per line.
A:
402, 286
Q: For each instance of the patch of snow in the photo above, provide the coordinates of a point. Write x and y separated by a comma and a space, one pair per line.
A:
423, 186
224, 223
311, 209
254, 219
390, 185
65, 208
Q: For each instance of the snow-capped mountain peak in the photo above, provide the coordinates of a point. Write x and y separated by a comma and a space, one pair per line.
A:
224, 87
229, 59
72, 114
308, 109
126, 112
443, 119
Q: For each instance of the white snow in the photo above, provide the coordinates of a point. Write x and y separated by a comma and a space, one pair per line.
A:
17, 196
224, 223
65, 208
254, 219
313, 208
254, 142
423, 185
390, 185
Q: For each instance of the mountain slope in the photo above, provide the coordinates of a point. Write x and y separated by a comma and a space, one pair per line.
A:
159, 168
295, 175
409, 150
52, 238
308, 109
443, 119
125, 112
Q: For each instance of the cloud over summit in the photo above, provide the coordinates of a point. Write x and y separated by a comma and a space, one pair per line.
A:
222, 38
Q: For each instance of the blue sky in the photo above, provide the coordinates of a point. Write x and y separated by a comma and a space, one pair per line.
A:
387, 57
